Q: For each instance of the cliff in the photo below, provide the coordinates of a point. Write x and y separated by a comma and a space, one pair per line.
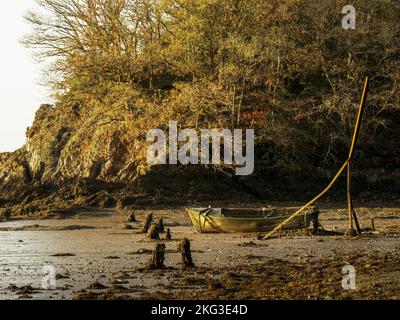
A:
73, 157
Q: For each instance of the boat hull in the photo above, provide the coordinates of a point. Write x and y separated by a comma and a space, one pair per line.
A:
245, 220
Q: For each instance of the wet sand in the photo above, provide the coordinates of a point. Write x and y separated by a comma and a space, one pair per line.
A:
96, 257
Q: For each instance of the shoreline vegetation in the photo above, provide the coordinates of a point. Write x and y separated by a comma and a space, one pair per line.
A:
286, 70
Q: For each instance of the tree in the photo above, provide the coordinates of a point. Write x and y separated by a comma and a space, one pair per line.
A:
285, 68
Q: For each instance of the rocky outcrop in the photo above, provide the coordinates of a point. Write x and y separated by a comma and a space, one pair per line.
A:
77, 156
15, 171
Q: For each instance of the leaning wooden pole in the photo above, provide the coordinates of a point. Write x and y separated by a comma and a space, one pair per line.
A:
349, 200
359, 120
351, 211
345, 165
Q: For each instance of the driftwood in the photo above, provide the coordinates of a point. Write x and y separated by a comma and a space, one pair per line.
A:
147, 223
153, 233
158, 258
187, 260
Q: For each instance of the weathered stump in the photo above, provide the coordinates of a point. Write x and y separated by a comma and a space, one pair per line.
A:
147, 223
132, 217
315, 221
168, 235
158, 258
5, 214
373, 229
161, 227
153, 233
187, 260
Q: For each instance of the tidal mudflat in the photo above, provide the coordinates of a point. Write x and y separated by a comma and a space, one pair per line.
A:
97, 256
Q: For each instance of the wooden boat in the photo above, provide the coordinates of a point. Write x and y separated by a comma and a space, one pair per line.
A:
210, 220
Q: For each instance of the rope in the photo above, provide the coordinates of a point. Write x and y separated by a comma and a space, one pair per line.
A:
204, 213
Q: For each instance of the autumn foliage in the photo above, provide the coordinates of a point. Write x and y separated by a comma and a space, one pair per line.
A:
284, 68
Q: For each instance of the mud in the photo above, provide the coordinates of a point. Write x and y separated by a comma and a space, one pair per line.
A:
103, 260
37, 227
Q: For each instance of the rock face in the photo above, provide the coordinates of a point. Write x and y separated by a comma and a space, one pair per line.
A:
70, 143
73, 157
14, 169
65, 161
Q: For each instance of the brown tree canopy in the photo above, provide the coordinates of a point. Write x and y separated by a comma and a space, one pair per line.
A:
286, 68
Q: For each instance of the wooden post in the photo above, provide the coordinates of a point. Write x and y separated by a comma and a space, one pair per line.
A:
352, 212
373, 225
349, 205
168, 235
161, 227
154, 232
158, 258
187, 260
147, 223
315, 221
132, 217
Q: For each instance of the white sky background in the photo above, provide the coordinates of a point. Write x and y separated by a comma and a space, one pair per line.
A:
20, 92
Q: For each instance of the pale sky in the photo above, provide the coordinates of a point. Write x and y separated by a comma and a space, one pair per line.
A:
20, 92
